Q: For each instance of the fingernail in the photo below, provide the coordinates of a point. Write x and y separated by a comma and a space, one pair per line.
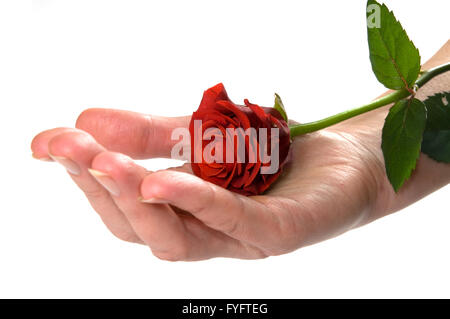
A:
106, 181
43, 158
70, 165
153, 200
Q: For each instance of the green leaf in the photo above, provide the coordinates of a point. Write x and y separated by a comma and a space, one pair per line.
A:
280, 107
395, 60
402, 138
438, 112
436, 144
436, 139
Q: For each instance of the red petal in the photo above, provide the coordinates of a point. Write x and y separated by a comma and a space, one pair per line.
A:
259, 112
230, 106
212, 95
254, 173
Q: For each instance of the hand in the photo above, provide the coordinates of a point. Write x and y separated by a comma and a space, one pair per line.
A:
330, 187
200, 220
335, 181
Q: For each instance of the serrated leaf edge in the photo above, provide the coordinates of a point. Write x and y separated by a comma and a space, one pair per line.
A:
413, 166
401, 75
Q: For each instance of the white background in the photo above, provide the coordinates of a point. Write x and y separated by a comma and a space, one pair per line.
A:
60, 57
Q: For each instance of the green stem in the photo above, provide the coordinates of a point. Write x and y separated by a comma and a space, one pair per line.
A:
299, 129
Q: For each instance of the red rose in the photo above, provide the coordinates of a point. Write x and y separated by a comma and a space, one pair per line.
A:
216, 155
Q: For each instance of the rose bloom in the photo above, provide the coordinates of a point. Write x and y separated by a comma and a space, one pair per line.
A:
243, 173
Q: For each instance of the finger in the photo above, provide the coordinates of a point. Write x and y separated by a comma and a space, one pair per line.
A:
75, 151
157, 225
134, 134
39, 145
239, 217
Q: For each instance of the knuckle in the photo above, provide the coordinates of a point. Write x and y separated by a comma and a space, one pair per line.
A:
208, 196
148, 133
95, 193
153, 135
232, 227
231, 224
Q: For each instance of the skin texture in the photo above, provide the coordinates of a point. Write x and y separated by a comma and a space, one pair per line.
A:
334, 182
